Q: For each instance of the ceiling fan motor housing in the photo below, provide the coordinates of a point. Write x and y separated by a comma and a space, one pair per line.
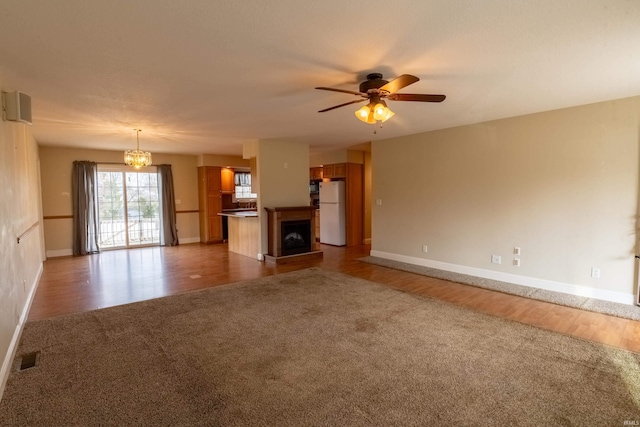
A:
374, 81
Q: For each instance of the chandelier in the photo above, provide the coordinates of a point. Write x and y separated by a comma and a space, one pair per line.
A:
137, 158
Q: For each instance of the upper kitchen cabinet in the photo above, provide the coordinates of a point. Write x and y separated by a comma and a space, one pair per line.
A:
338, 170
315, 173
227, 184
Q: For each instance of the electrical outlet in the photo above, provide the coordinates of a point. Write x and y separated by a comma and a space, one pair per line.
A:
516, 250
516, 262
378, 202
424, 248
496, 259
595, 273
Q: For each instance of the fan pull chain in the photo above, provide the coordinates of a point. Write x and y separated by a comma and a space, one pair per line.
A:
375, 131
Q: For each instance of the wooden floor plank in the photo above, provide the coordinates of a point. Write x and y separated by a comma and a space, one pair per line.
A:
78, 284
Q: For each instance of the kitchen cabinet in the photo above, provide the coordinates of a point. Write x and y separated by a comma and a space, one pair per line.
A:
227, 184
354, 203
337, 170
315, 173
210, 203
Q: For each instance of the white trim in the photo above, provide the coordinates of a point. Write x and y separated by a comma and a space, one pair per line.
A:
187, 240
59, 253
13, 345
549, 285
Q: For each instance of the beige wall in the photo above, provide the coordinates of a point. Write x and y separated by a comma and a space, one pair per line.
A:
20, 264
562, 185
337, 156
222, 160
283, 179
56, 165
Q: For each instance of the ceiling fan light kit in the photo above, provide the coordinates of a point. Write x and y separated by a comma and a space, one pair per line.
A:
374, 89
371, 113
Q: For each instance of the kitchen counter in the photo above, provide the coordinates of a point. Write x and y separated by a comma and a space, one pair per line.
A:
239, 210
243, 231
239, 214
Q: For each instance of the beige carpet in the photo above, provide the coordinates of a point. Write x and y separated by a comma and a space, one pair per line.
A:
312, 347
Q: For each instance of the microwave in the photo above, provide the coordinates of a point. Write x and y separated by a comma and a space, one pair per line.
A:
314, 187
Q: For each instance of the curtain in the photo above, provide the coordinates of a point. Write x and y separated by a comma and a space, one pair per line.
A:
85, 208
168, 231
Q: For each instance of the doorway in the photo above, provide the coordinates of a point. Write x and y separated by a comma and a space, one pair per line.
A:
128, 207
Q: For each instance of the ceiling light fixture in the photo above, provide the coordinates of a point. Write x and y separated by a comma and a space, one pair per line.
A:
136, 158
374, 111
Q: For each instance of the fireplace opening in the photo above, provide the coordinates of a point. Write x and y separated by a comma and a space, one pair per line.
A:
295, 237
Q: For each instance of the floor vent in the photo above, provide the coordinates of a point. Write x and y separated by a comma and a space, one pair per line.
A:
29, 360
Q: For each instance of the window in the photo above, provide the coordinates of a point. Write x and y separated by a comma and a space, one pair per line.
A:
128, 207
243, 186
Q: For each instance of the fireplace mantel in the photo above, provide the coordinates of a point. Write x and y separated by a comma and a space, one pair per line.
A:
279, 215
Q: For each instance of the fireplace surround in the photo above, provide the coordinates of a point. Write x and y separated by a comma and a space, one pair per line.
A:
291, 234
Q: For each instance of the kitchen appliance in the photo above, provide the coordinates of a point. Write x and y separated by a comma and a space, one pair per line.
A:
332, 213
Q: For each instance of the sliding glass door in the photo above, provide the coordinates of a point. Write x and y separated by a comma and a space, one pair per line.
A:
128, 204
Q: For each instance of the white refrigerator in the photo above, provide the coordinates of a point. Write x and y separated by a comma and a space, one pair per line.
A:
332, 213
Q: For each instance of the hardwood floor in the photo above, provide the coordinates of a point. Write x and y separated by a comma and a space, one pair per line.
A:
77, 284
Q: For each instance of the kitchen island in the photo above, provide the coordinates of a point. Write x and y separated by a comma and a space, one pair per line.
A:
244, 229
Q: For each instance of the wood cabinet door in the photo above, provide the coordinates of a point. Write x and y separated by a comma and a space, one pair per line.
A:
339, 170
213, 180
227, 184
214, 221
210, 204
327, 171
315, 173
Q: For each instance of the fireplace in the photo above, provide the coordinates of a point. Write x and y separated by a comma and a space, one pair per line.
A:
295, 237
291, 232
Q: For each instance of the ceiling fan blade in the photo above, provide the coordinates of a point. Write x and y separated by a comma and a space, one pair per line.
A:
416, 97
341, 105
342, 90
399, 82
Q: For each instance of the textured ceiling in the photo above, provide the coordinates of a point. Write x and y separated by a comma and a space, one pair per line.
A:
202, 76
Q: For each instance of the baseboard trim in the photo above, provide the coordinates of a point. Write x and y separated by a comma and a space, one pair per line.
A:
69, 252
549, 285
187, 240
13, 345
59, 253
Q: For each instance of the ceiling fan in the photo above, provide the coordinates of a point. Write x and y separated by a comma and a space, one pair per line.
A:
375, 89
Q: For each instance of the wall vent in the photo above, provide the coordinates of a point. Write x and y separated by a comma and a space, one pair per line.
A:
29, 360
